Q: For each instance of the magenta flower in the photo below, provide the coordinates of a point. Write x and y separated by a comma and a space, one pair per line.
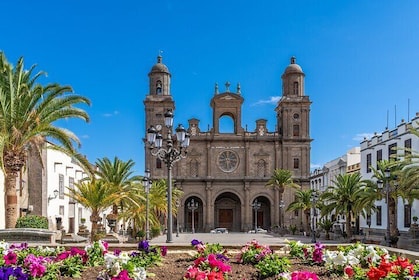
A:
10, 258
303, 275
163, 251
123, 275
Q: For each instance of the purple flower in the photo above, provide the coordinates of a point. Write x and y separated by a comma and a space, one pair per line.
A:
195, 242
19, 274
5, 272
143, 246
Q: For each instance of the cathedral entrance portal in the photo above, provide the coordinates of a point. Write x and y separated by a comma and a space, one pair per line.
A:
227, 212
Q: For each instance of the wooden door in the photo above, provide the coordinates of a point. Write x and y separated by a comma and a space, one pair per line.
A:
225, 218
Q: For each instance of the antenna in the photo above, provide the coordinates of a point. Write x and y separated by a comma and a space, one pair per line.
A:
395, 115
387, 119
408, 110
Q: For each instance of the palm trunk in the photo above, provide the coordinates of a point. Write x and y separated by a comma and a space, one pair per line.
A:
11, 205
348, 226
94, 218
394, 232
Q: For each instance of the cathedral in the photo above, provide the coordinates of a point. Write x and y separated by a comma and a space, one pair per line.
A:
226, 173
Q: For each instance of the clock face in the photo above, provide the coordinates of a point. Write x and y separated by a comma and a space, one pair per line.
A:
228, 161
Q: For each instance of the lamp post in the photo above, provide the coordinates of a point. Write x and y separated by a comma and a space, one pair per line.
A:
281, 213
177, 217
314, 218
193, 205
147, 184
256, 206
169, 155
387, 175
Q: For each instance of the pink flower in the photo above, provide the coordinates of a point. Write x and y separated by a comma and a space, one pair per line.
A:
10, 258
123, 275
63, 255
37, 269
303, 275
349, 271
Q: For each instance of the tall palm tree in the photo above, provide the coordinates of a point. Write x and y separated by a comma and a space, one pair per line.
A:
29, 113
281, 179
399, 186
94, 195
342, 198
158, 200
119, 176
303, 201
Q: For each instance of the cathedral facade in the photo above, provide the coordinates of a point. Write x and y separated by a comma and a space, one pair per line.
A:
226, 173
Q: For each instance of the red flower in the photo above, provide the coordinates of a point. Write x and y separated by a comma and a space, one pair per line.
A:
349, 271
375, 274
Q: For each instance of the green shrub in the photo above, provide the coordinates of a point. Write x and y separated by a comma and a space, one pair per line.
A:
32, 221
155, 231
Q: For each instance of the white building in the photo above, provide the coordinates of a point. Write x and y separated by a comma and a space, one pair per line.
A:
324, 177
381, 147
41, 190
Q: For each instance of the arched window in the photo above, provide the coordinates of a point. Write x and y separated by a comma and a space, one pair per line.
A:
226, 124
296, 88
159, 87
194, 168
296, 163
261, 168
158, 163
296, 130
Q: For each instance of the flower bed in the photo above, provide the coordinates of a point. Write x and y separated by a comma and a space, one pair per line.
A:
210, 261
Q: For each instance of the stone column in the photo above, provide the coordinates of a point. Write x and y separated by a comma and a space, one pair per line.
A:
209, 212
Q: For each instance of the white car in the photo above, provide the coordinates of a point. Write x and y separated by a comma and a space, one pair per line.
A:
219, 230
259, 230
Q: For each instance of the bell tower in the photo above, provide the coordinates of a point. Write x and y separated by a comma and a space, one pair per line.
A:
157, 102
293, 119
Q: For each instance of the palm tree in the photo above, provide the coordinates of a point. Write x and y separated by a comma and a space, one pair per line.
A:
28, 114
280, 180
118, 175
303, 201
94, 195
399, 185
342, 198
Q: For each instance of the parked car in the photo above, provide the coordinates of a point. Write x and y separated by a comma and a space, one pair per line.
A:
219, 230
259, 230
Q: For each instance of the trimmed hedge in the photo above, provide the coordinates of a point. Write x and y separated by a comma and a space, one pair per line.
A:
32, 221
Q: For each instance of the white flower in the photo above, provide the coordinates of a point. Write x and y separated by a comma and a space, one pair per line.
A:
123, 257
115, 269
373, 256
110, 259
139, 273
4, 246
340, 259
352, 260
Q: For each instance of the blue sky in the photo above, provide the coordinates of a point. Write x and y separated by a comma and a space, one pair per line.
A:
360, 59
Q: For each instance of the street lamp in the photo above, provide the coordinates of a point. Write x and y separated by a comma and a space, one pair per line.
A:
314, 218
192, 205
169, 155
387, 175
147, 184
177, 217
281, 212
256, 206
53, 197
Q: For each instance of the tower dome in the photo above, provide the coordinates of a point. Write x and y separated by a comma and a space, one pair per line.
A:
293, 67
159, 66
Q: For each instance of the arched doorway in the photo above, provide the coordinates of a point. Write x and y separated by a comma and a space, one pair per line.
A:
261, 214
193, 215
227, 213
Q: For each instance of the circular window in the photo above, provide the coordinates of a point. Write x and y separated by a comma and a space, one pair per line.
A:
228, 161
296, 116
